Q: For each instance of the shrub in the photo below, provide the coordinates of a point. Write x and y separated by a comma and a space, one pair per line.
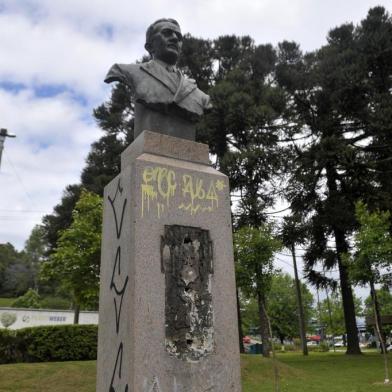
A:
49, 343
30, 299
320, 348
8, 351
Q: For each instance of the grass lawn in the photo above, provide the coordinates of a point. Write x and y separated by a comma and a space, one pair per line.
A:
320, 372
48, 376
6, 302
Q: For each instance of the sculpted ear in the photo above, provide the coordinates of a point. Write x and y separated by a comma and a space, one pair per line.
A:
148, 47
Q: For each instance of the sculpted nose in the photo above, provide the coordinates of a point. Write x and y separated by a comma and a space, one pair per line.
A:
173, 37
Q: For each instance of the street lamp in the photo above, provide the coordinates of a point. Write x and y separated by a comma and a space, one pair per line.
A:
3, 134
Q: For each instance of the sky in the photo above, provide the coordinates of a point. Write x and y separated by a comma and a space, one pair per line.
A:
55, 54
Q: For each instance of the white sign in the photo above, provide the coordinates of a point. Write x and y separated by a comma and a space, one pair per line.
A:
22, 318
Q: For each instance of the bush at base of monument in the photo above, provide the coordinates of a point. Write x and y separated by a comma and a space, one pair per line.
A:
49, 343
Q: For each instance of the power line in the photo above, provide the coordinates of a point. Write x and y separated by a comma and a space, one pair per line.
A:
287, 254
19, 179
285, 262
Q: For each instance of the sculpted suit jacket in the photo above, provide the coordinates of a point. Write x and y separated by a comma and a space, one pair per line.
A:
166, 102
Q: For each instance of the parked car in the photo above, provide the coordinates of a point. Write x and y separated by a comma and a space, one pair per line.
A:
339, 343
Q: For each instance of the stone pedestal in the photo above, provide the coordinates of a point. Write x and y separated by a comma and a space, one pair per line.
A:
167, 316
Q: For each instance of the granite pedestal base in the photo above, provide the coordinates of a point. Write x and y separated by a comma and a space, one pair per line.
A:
167, 315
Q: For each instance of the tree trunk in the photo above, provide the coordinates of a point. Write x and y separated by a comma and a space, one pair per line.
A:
264, 325
76, 314
240, 332
347, 298
377, 315
381, 337
342, 248
301, 317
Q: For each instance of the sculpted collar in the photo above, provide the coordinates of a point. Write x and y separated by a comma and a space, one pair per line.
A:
180, 90
168, 67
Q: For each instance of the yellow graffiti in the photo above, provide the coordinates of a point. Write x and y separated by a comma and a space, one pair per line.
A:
193, 209
212, 195
163, 179
220, 185
193, 187
159, 187
193, 190
148, 194
161, 209
159, 184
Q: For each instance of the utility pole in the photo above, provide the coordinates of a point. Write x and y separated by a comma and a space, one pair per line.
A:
3, 134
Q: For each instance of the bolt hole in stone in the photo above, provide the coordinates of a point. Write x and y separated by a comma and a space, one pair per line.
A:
187, 289
187, 240
189, 342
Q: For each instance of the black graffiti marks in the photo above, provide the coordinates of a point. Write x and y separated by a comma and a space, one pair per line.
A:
112, 201
119, 293
118, 282
119, 360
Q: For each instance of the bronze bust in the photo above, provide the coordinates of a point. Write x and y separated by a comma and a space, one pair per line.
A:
165, 100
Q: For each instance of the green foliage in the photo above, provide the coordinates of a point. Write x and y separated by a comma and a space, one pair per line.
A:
75, 262
320, 348
61, 218
249, 314
30, 299
282, 306
7, 319
8, 352
16, 274
384, 298
254, 250
35, 250
49, 343
373, 244
335, 325
103, 163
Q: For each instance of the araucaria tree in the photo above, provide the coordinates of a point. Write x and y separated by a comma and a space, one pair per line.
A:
339, 100
254, 250
75, 261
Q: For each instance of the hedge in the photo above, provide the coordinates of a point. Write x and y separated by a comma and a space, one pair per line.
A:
49, 343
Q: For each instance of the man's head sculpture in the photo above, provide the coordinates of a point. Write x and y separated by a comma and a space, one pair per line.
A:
164, 40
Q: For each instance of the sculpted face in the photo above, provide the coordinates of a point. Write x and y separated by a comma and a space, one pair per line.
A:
166, 43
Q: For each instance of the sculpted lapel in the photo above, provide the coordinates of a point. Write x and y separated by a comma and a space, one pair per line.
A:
160, 74
179, 90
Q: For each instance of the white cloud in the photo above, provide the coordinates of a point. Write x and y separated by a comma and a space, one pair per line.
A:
52, 141
37, 54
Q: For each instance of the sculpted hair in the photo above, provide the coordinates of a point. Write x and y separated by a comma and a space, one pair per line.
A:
151, 29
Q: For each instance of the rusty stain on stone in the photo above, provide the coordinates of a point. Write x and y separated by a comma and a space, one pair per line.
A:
187, 262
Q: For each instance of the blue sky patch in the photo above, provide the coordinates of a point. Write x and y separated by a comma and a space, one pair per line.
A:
12, 86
